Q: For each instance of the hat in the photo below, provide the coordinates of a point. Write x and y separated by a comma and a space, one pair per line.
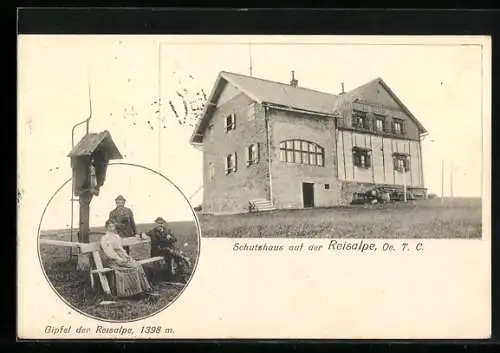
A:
160, 220
120, 197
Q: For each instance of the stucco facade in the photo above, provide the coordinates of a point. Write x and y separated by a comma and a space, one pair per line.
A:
227, 193
288, 178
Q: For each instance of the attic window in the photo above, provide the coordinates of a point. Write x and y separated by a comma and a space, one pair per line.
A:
398, 127
359, 120
379, 123
230, 122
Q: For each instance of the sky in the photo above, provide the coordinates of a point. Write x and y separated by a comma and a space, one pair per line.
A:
442, 85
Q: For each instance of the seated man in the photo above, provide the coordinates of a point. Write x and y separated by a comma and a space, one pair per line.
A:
163, 244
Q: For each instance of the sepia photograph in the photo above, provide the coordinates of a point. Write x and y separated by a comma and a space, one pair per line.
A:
308, 184
334, 151
117, 261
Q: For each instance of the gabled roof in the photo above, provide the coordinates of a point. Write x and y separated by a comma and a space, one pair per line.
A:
284, 95
93, 141
361, 91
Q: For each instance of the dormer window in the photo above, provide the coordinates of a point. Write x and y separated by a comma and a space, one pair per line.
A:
230, 122
360, 120
379, 123
398, 127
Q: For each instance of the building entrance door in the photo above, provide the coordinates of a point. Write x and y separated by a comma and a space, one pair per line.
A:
308, 194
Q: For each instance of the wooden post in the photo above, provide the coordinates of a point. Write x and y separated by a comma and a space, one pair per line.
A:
83, 235
83, 263
404, 184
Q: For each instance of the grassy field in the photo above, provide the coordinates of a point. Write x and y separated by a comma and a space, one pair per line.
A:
452, 218
74, 286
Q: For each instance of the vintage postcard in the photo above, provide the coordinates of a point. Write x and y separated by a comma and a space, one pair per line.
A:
267, 187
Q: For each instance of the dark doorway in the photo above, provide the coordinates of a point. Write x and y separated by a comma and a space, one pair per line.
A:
308, 194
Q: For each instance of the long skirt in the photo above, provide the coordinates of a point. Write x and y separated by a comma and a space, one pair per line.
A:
130, 281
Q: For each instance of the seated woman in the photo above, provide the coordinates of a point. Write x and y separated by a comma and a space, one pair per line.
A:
130, 278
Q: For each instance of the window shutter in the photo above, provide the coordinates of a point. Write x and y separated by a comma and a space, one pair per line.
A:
225, 125
393, 127
247, 151
403, 128
226, 166
408, 163
257, 152
235, 162
395, 159
234, 120
368, 159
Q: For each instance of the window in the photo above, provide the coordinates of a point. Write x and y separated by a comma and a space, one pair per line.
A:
230, 122
301, 152
211, 172
327, 186
361, 157
360, 120
230, 163
401, 162
252, 154
379, 123
251, 112
398, 127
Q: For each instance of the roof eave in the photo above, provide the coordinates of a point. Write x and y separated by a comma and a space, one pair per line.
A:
207, 110
104, 137
304, 111
200, 125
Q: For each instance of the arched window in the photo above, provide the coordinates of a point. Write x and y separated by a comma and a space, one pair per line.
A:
302, 152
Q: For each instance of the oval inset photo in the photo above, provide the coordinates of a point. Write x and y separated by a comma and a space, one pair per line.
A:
120, 245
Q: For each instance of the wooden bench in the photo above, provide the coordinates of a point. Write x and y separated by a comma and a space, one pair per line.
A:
94, 248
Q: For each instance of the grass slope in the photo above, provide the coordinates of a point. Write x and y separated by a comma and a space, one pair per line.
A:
452, 218
75, 287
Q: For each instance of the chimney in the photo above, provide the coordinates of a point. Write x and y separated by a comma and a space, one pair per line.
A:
293, 82
342, 85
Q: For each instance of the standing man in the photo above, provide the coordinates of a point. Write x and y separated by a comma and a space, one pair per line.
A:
124, 219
